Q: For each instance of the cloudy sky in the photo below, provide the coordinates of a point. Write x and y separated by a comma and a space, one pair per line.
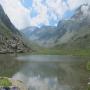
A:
24, 13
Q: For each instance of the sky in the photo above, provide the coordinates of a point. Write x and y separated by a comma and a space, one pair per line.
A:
26, 13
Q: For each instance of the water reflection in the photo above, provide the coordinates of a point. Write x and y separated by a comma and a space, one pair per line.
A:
56, 73
38, 83
9, 65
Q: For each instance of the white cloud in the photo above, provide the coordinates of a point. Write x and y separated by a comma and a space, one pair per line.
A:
42, 13
17, 13
56, 7
73, 4
59, 7
50, 10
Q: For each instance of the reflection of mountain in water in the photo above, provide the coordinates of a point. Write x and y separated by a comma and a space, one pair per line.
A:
40, 80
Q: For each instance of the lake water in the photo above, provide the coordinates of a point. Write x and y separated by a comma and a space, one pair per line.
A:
51, 72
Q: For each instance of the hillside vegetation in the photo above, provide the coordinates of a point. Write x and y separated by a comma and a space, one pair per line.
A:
10, 38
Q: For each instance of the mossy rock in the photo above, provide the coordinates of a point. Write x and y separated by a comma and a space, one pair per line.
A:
5, 82
11, 83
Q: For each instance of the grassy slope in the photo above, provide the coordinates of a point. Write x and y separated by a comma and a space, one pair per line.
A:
76, 52
79, 44
81, 39
4, 30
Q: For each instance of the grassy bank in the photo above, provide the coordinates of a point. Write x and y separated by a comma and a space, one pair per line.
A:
76, 52
88, 68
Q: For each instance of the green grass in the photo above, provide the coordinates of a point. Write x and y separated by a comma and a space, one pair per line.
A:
75, 52
88, 66
5, 30
88, 87
5, 82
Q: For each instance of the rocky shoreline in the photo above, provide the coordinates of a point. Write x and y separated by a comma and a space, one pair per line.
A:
15, 84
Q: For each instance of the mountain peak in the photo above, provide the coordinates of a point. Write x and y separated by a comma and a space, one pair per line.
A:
85, 9
82, 12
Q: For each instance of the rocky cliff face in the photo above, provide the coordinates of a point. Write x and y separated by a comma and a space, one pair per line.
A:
10, 38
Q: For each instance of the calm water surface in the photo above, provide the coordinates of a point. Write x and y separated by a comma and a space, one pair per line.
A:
52, 72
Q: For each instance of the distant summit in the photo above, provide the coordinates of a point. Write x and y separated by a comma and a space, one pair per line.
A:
74, 31
82, 12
